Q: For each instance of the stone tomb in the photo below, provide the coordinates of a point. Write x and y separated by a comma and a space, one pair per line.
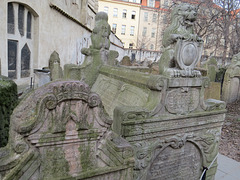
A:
174, 131
231, 84
61, 131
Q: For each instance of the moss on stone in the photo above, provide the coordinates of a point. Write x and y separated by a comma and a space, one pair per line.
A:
8, 101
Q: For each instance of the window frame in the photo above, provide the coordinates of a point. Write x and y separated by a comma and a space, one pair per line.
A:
123, 31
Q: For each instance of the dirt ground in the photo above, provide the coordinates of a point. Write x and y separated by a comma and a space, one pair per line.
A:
230, 137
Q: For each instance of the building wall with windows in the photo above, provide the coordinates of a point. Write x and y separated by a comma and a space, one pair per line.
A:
154, 19
144, 32
123, 17
31, 30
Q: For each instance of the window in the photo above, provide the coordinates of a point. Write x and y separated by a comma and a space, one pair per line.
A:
165, 3
105, 9
29, 25
20, 42
123, 29
154, 18
144, 32
132, 28
114, 28
21, 19
115, 12
124, 14
12, 59
130, 45
153, 32
25, 61
145, 16
11, 29
151, 46
133, 15
151, 3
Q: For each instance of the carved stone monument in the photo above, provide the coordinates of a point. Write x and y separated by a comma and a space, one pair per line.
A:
97, 55
54, 66
231, 91
61, 131
175, 132
159, 126
183, 47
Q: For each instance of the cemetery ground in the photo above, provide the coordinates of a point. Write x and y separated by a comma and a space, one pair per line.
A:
230, 137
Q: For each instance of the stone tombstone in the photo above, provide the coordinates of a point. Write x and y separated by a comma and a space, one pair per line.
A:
231, 90
183, 47
54, 66
97, 55
126, 61
212, 69
175, 132
61, 131
214, 89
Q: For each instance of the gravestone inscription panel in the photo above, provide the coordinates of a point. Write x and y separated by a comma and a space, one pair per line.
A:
176, 164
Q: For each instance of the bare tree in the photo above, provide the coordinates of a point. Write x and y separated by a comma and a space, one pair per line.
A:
228, 24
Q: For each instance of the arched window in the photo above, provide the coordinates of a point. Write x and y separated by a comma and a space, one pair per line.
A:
25, 61
29, 25
11, 28
21, 19
20, 42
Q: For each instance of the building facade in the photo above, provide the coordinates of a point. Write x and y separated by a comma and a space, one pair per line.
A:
123, 17
139, 25
31, 30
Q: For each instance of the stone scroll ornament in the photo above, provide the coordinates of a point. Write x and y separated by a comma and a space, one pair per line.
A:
182, 155
98, 54
61, 131
183, 48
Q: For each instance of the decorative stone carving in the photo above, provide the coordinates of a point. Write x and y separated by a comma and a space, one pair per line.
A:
54, 66
182, 100
62, 131
183, 47
97, 55
178, 156
231, 91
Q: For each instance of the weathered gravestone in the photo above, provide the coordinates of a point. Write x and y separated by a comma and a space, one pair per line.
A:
54, 67
60, 131
174, 131
214, 89
231, 90
126, 61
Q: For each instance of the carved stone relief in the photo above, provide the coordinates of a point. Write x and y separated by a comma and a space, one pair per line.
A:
182, 100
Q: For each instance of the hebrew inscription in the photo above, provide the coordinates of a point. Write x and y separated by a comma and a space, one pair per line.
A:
182, 100
176, 164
